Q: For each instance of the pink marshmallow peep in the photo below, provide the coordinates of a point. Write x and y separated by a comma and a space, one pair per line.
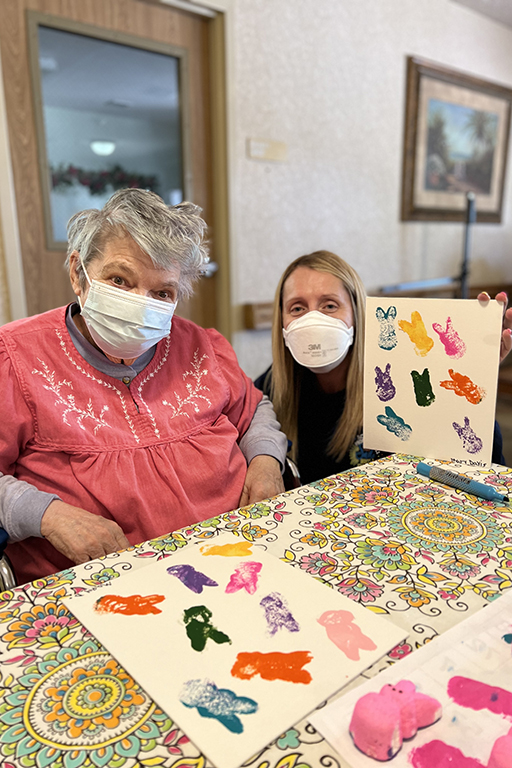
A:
381, 721
375, 726
416, 709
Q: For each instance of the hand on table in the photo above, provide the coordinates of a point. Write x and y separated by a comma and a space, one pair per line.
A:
80, 535
506, 334
263, 480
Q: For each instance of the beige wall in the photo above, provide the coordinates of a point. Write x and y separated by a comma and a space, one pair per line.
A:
328, 78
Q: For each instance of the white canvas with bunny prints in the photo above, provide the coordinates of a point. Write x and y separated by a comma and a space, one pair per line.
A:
430, 381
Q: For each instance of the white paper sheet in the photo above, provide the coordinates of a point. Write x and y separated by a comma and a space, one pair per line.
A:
476, 649
431, 369
156, 650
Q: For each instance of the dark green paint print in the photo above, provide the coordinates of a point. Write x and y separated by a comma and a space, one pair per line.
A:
199, 628
423, 388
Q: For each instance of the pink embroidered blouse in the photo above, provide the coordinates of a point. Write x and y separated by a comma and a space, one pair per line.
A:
154, 456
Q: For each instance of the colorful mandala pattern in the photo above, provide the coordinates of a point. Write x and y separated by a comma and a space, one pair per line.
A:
387, 529
380, 535
445, 526
78, 697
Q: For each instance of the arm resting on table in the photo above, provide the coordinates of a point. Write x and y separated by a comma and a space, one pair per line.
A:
77, 534
80, 535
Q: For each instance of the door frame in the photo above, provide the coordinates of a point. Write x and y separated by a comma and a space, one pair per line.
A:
220, 32
9, 221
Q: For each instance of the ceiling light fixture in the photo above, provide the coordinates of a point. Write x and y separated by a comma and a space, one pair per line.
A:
48, 64
103, 147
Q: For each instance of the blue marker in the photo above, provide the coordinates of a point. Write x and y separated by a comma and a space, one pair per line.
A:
460, 482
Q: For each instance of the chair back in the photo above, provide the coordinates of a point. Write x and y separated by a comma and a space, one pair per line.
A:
291, 476
7, 576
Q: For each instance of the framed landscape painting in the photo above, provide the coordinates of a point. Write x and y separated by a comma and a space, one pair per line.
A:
455, 141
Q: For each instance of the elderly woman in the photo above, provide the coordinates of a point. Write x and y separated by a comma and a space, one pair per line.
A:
320, 300
115, 428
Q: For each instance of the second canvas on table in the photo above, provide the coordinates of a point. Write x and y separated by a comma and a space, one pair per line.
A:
431, 368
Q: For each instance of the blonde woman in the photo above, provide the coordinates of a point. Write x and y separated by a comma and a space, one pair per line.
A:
316, 378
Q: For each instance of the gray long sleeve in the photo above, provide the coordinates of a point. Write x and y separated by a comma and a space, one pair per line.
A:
22, 507
264, 435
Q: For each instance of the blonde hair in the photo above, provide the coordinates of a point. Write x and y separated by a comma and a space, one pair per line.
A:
287, 374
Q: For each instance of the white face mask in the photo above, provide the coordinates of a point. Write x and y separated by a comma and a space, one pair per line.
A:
317, 341
124, 324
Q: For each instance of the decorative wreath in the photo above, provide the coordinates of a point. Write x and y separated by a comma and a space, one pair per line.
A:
98, 181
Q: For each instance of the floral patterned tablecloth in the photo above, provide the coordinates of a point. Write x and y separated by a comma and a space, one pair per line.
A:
422, 554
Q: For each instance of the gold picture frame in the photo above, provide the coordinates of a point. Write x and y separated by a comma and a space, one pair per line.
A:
456, 137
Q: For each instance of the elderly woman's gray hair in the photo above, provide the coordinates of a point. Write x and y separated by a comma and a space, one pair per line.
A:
170, 235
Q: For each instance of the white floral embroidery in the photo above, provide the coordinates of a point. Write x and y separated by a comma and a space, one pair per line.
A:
194, 388
150, 376
68, 401
100, 381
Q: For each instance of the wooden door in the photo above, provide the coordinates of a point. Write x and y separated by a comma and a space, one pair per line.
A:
47, 284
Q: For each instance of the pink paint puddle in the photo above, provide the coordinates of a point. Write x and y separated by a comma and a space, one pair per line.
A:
437, 754
476, 695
